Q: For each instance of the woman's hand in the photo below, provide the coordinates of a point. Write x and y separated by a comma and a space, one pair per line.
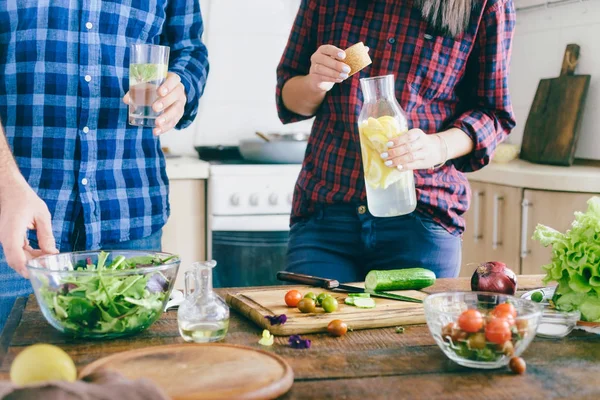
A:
415, 150
172, 99
326, 69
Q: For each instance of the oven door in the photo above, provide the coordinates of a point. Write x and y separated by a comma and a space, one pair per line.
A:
249, 250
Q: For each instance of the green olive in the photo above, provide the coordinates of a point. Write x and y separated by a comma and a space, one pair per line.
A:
537, 297
329, 304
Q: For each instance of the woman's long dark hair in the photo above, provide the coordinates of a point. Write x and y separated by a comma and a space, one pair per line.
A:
450, 17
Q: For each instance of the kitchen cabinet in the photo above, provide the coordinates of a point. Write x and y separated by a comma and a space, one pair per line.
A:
501, 220
492, 226
185, 231
554, 209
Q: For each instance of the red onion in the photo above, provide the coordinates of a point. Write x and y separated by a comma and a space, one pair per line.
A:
494, 276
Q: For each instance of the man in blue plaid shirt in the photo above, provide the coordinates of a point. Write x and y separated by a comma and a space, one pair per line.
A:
81, 177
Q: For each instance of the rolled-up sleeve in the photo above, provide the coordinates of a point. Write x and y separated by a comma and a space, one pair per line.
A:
189, 56
295, 60
489, 118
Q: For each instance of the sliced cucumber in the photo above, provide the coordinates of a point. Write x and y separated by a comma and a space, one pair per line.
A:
362, 302
349, 301
399, 279
359, 295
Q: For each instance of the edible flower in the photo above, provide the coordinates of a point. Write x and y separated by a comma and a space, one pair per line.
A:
296, 342
277, 319
267, 338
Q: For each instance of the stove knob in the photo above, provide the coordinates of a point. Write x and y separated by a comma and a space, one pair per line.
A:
273, 199
254, 200
235, 200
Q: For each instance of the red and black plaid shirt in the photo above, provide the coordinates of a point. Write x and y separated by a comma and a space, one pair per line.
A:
441, 82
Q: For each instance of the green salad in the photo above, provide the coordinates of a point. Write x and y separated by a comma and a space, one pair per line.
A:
575, 262
104, 303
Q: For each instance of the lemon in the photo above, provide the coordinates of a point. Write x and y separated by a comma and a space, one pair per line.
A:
42, 363
390, 126
379, 142
373, 174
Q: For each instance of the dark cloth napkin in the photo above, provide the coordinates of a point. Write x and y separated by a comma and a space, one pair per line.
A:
104, 385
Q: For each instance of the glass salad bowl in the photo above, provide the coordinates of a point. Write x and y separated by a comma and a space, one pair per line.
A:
481, 329
103, 294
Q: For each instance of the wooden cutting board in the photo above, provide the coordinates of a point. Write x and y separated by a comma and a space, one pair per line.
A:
204, 371
255, 304
552, 127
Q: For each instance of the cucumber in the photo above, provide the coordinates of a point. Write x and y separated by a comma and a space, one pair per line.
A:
349, 301
399, 279
359, 295
363, 302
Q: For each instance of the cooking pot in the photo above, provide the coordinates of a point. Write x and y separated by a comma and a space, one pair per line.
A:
288, 148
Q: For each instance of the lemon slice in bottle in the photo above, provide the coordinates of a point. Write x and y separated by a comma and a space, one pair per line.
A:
373, 174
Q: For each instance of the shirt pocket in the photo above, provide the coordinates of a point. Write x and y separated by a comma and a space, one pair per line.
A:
438, 65
145, 20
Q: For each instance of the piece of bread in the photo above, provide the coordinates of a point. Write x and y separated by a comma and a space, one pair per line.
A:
357, 58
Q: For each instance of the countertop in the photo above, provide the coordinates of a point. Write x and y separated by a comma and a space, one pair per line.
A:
583, 176
186, 167
363, 364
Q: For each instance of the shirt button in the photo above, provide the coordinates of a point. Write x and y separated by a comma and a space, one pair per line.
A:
89, 25
86, 129
362, 209
87, 78
392, 40
84, 181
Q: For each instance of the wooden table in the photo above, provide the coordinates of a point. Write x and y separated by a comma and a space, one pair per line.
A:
369, 364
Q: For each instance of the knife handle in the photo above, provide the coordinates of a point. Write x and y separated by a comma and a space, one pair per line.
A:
307, 280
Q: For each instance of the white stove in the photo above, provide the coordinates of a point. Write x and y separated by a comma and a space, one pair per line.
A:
248, 214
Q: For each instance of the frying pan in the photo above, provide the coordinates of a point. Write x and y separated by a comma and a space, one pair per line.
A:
280, 149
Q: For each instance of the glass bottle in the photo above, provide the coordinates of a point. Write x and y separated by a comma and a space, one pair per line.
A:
203, 316
390, 192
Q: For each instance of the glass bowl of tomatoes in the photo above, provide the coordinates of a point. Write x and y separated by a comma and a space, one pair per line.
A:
481, 329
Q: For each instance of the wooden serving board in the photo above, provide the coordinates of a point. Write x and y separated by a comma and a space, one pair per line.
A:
204, 371
552, 127
255, 304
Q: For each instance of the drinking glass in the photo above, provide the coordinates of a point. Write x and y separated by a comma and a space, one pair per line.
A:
148, 67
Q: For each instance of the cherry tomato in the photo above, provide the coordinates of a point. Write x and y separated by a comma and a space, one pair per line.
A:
307, 305
337, 327
448, 330
497, 331
508, 348
517, 365
321, 297
292, 298
470, 321
476, 341
501, 310
329, 304
311, 295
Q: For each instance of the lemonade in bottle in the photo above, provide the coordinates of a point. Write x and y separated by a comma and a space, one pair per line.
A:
390, 192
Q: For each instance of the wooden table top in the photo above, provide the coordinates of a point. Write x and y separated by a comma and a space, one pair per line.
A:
367, 364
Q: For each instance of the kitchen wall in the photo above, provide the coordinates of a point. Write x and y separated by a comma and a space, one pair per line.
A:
540, 40
245, 40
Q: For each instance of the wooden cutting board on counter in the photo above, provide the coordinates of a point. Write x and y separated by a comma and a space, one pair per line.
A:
215, 371
552, 127
255, 304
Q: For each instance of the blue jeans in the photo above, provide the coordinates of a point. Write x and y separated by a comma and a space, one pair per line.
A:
12, 285
339, 242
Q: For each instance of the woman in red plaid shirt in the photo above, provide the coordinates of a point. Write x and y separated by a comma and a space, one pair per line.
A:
451, 61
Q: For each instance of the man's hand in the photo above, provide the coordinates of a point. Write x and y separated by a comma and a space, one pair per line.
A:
172, 99
21, 209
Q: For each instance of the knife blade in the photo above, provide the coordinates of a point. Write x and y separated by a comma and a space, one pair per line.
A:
332, 284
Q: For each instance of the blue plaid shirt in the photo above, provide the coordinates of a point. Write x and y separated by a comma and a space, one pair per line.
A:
63, 74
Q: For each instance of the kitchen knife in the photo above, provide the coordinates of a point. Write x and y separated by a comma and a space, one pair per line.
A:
333, 284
